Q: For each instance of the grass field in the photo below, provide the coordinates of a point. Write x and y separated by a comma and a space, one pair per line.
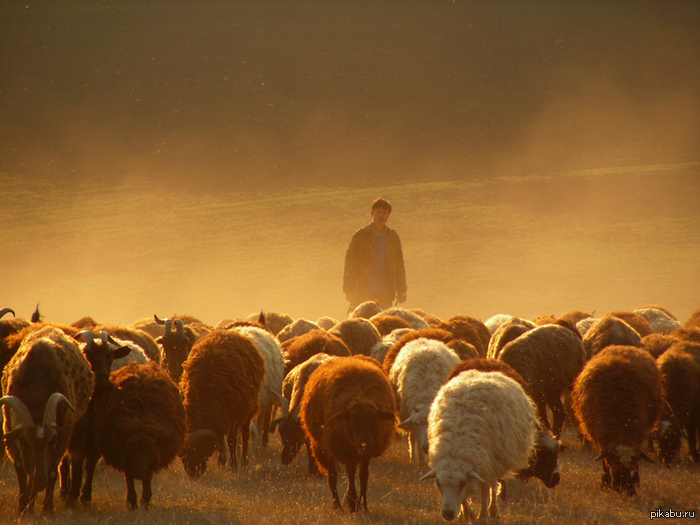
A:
269, 492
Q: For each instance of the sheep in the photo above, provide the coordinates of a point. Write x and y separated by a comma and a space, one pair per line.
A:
348, 412
480, 428
415, 320
295, 329
271, 391
636, 321
420, 369
505, 333
584, 325
177, 344
680, 376
657, 344
429, 333
140, 426
365, 310
610, 330
574, 316
220, 385
549, 358
470, 329
544, 462
82, 447
617, 399
46, 388
379, 350
360, 335
388, 323
494, 322
326, 322
299, 349
693, 321
156, 328
659, 320
273, 321
289, 424
139, 337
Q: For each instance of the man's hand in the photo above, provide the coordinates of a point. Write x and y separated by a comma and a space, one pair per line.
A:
401, 298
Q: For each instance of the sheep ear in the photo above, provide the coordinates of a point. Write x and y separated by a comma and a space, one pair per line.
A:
122, 351
429, 475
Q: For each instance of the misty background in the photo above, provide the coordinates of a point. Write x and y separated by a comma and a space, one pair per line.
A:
229, 110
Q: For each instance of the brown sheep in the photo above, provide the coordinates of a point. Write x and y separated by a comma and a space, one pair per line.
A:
136, 336
657, 344
607, 331
140, 426
299, 349
574, 316
387, 324
693, 321
504, 334
617, 399
470, 329
549, 358
348, 412
680, 375
359, 334
46, 388
220, 386
636, 321
177, 344
428, 333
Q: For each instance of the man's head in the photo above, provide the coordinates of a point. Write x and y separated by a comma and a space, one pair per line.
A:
381, 209
381, 203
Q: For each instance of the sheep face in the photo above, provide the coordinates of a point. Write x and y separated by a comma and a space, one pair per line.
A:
36, 450
455, 489
544, 464
197, 449
293, 437
363, 420
621, 469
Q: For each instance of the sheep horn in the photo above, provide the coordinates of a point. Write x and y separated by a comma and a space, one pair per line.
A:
7, 311
87, 335
643, 456
429, 475
180, 326
409, 420
285, 404
104, 336
167, 322
473, 474
52, 407
24, 418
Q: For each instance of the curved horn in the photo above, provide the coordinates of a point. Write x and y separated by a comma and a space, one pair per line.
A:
87, 335
180, 326
24, 418
7, 311
409, 420
429, 475
643, 456
104, 336
285, 404
159, 320
473, 474
52, 407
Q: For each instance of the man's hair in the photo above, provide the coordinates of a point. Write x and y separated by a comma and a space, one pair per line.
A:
382, 203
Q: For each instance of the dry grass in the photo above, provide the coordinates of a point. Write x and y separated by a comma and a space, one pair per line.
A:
269, 492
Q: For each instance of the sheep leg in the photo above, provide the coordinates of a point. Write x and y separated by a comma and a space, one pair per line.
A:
313, 467
23, 488
231, 437
146, 492
351, 494
91, 460
333, 485
541, 404
76, 477
245, 437
47, 508
64, 470
485, 502
691, 431
264, 422
558, 414
130, 492
493, 506
364, 477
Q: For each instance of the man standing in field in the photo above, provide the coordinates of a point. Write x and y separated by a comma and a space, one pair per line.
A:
374, 269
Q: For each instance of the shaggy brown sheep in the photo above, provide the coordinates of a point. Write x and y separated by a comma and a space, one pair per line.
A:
617, 399
348, 412
299, 349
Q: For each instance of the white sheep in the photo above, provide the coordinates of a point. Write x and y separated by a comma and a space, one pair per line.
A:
415, 320
494, 322
420, 369
481, 428
659, 320
379, 350
271, 391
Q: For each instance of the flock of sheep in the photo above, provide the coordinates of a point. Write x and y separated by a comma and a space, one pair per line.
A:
474, 398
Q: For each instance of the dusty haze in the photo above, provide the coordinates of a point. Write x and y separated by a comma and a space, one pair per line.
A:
215, 158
